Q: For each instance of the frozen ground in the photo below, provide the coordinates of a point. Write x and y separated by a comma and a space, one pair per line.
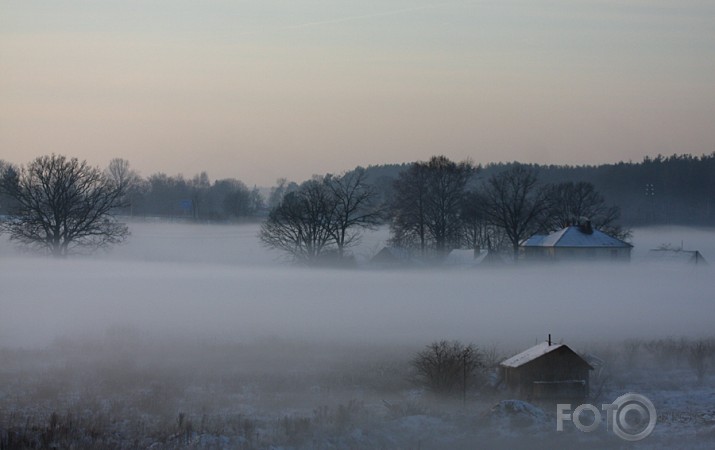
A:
195, 335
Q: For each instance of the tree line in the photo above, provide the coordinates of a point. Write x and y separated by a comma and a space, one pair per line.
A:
62, 205
173, 197
676, 189
321, 218
433, 207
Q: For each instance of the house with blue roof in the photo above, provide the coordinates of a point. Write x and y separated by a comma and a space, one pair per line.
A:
576, 243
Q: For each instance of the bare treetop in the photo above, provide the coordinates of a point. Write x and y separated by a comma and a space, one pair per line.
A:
64, 204
515, 202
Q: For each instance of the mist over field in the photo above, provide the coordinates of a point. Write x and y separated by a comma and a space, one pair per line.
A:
196, 336
192, 194
217, 281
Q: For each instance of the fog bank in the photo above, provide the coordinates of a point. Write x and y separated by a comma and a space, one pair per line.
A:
43, 299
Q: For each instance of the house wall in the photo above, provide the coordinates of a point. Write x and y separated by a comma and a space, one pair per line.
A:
621, 254
593, 254
566, 390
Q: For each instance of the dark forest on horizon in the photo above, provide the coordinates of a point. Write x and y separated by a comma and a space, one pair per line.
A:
676, 189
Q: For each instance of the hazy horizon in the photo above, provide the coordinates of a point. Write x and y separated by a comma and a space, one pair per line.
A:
272, 183
264, 90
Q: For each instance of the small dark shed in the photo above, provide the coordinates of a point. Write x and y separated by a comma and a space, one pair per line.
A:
392, 256
547, 372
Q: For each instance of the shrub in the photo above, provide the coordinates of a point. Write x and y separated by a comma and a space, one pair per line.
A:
446, 367
699, 353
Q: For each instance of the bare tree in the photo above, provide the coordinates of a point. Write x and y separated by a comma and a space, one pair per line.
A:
64, 204
446, 188
236, 199
428, 201
477, 231
699, 352
301, 225
199, 187
8, 179
323, 214
354, 207
516, 203
121, 173
409, 208
570, 202
123, 176
282, 187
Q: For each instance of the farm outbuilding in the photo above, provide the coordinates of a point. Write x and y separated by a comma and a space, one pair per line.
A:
465, 258
392, 256
676, 256
547, 371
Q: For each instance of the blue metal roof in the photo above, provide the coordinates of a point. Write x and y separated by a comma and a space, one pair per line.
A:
575, 237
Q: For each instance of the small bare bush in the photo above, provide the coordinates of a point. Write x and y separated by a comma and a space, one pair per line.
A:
404, 409
297, 429
446, 367
699, 354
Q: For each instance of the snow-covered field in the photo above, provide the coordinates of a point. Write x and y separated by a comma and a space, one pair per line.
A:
195, 335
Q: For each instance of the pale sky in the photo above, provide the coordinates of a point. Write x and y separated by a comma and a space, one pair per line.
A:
264, 89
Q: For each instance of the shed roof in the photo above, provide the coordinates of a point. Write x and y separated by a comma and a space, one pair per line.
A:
536, 352
392, 253
676, 256
574, 236
465, 257
533, 240
530, 354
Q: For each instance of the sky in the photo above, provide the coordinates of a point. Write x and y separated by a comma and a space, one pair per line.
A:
259, 90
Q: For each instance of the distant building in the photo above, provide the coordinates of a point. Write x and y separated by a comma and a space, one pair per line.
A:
676, 256
581, 242
547, 371
473, 258
465, 258
392, 256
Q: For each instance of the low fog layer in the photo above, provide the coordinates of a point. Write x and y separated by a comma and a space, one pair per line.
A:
217, 282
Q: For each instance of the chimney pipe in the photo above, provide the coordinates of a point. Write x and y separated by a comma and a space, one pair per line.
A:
549, 339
